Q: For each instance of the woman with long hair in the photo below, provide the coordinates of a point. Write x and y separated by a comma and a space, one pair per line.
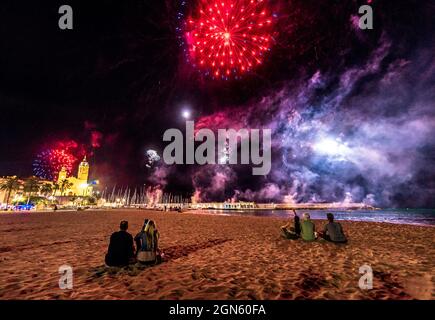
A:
147, 243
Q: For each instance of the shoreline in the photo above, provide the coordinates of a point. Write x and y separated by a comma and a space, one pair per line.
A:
233, 212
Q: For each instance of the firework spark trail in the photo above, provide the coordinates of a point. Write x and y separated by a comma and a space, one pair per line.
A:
227, 38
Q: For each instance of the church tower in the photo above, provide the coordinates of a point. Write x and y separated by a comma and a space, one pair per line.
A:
83, 170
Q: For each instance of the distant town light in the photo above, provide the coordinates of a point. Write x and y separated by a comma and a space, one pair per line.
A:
84, 185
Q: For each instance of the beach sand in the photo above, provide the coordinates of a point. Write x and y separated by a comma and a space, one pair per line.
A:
211, 257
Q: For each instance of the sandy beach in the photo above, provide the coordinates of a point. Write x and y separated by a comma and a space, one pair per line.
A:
211, 257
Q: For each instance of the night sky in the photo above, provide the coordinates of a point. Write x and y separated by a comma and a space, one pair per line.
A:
120, 78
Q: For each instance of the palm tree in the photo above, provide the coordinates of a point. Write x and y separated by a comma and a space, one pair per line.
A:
11, 184
31, 185
55, 188
46, 189
65, 185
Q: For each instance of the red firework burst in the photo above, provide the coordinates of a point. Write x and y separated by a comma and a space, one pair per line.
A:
49, 162
227, 38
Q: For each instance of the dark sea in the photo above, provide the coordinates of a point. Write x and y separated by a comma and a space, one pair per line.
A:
402, 216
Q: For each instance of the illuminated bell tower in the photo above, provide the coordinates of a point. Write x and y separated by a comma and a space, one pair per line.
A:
62, 175
83, 170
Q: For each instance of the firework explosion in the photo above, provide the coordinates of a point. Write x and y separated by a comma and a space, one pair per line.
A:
50, 161
227, 38
351, 111
151, 158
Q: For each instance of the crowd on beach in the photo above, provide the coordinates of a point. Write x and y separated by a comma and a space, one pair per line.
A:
122, 250
306, 230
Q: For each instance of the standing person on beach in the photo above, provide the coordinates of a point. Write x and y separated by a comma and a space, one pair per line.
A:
121, 249
307, 228
295, 231
333, 231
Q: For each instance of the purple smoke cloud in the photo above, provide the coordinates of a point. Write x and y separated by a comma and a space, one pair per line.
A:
364, 136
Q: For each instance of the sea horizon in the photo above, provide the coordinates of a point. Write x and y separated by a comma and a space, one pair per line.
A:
421, 216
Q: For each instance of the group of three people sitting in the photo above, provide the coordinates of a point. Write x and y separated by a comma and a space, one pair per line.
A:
121, 251
306, 229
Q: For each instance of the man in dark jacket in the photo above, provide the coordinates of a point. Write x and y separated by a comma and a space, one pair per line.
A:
121, 249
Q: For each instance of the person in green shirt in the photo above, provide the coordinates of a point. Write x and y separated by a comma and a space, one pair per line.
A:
308, 228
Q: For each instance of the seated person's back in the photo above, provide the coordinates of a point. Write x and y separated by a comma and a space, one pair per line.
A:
307, 228
295, 231
147, 238
121, 248
297, 225
333, 230
147, 242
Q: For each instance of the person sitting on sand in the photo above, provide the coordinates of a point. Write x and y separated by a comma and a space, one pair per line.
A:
295, 231
307, 228
147, 243
121, 248
333, 231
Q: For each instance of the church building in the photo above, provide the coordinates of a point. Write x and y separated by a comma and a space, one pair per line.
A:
77, 186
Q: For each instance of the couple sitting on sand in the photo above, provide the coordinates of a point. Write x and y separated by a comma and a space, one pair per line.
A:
121, 249
306, 229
